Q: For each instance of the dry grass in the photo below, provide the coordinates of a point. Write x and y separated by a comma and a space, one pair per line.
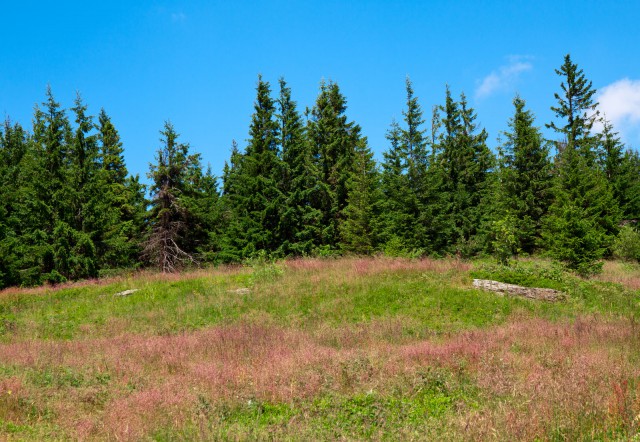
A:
534, 376
558, 381
624, 273
358, 267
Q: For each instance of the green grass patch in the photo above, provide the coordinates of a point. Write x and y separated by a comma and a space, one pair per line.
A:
433, 396
429, 301
584, 295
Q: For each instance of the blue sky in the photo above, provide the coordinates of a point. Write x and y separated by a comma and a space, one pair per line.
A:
196, 62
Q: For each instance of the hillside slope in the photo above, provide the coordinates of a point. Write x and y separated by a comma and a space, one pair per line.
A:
355, 348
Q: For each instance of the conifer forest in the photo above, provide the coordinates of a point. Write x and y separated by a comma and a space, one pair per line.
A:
305, 183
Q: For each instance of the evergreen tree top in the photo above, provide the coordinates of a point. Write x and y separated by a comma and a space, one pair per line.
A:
330, 103
451, 117
576, 105
263, 129
173, 161
111, 150
414, 133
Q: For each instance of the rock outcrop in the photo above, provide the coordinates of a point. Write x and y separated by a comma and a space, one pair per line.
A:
517, 290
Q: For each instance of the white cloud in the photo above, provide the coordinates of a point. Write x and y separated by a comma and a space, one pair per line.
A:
620, 104
504, 78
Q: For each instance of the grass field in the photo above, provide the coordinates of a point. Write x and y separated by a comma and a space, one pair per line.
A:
347, 349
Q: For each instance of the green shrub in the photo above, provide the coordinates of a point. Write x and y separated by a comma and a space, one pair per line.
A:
265, 268
505, 240
397, 248
627, 244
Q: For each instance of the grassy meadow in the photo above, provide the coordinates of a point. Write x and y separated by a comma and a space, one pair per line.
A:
333, 349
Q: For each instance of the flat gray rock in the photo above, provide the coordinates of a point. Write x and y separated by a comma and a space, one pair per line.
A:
539, 294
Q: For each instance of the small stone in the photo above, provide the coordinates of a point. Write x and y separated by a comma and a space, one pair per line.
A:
241, 291
126, 292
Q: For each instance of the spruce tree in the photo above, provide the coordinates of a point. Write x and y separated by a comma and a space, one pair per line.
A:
299, 229
524, 192
135, 216
622, 170
111, 157
264, 171
57, 242
480, 179
396, 222
233, 211
333, 141
120, 203
52, 133
28, 213
13, 153
357, 229
254, 192
610, 152
463, 173
83, 156
415, 145
207, 209
434, 215
5, 263
404, 180
583, 213
577, 110
170, 242
627, 186
85, 224
584, 216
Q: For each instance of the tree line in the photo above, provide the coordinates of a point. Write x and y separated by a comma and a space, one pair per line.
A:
307, 184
